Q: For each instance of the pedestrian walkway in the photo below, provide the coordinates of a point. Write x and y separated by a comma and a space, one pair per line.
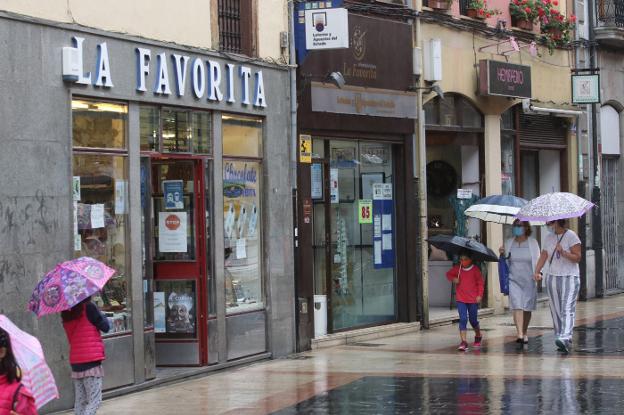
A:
421, 373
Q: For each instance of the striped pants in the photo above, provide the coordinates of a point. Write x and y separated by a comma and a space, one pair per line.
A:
563, 292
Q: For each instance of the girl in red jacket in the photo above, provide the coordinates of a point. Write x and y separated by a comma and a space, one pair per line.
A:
469, 292
82, 325
15, 399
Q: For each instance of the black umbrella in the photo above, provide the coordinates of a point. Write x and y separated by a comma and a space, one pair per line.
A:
454, 245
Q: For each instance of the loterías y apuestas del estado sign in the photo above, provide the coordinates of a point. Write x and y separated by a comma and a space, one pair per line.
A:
204, 78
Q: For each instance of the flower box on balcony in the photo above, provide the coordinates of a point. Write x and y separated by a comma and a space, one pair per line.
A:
440, 4
474, 13
523, 24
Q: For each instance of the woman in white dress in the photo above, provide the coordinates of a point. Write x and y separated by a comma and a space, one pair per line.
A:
522, 253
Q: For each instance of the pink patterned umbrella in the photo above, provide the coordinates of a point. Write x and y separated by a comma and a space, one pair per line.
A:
36, 375
68, 284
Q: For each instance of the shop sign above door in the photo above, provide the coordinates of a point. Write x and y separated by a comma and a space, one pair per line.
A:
504, 79
204, 78
363, 101
327, 29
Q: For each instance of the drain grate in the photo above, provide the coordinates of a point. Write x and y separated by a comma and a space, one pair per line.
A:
361, 344
298, 357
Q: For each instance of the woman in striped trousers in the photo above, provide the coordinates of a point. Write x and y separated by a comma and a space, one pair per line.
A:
561, 252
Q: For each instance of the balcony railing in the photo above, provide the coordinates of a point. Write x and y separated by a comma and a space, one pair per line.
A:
610, 13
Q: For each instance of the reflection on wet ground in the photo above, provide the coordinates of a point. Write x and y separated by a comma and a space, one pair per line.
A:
421, 373
418, 395
474, 395
603, 337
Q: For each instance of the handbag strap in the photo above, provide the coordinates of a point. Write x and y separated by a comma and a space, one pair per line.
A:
558, 242
14, 405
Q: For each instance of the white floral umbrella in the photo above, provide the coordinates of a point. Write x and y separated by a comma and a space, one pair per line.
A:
553, 206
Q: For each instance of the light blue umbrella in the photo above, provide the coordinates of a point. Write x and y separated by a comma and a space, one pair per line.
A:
497, 209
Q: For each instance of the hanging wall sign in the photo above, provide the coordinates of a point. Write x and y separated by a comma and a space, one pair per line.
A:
585, 89
504, 79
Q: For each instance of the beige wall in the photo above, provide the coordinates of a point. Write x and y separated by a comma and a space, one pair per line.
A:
272, 19
550, 74
185, 22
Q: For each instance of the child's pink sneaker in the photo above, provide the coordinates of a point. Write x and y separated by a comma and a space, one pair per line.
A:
463, 346
477, 342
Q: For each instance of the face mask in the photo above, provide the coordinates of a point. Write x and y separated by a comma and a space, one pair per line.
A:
518, 231
551, 229
466, 263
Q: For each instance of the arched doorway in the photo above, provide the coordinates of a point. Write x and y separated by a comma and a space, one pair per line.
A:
454, 137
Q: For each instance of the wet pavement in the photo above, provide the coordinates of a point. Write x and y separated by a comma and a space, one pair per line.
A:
422, 373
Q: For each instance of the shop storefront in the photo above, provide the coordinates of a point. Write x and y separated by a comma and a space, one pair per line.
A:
174, 161
355, 192
482, 141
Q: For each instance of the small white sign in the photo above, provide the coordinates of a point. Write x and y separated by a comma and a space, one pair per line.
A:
172, 232
333, 185
382, 191
97, 216
464, 193
241, 248
327, 29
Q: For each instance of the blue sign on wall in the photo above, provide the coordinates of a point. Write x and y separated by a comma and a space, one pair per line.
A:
299, 24
383, 226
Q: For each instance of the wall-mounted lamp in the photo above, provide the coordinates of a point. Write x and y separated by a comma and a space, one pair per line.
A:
432, 88
336, 79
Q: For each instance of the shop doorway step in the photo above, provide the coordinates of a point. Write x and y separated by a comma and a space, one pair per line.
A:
442, 316
170, 375
364, 335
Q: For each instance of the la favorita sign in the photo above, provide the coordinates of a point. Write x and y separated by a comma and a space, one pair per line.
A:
504, 79
173, 74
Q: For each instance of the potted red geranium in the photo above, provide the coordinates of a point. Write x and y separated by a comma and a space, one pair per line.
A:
523, 13
478, 9
555, 27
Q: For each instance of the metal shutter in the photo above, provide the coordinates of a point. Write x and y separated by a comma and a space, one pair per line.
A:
543, 131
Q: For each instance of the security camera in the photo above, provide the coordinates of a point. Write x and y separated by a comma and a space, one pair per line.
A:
337, 79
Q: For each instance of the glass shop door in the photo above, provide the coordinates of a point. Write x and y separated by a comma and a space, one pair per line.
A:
354, 235
179, 261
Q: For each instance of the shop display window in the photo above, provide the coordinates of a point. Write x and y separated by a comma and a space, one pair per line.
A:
200, 134
242, 215
171, 130
175, 309
99, 124
176, 131
149, 128
242, 136
100, 194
